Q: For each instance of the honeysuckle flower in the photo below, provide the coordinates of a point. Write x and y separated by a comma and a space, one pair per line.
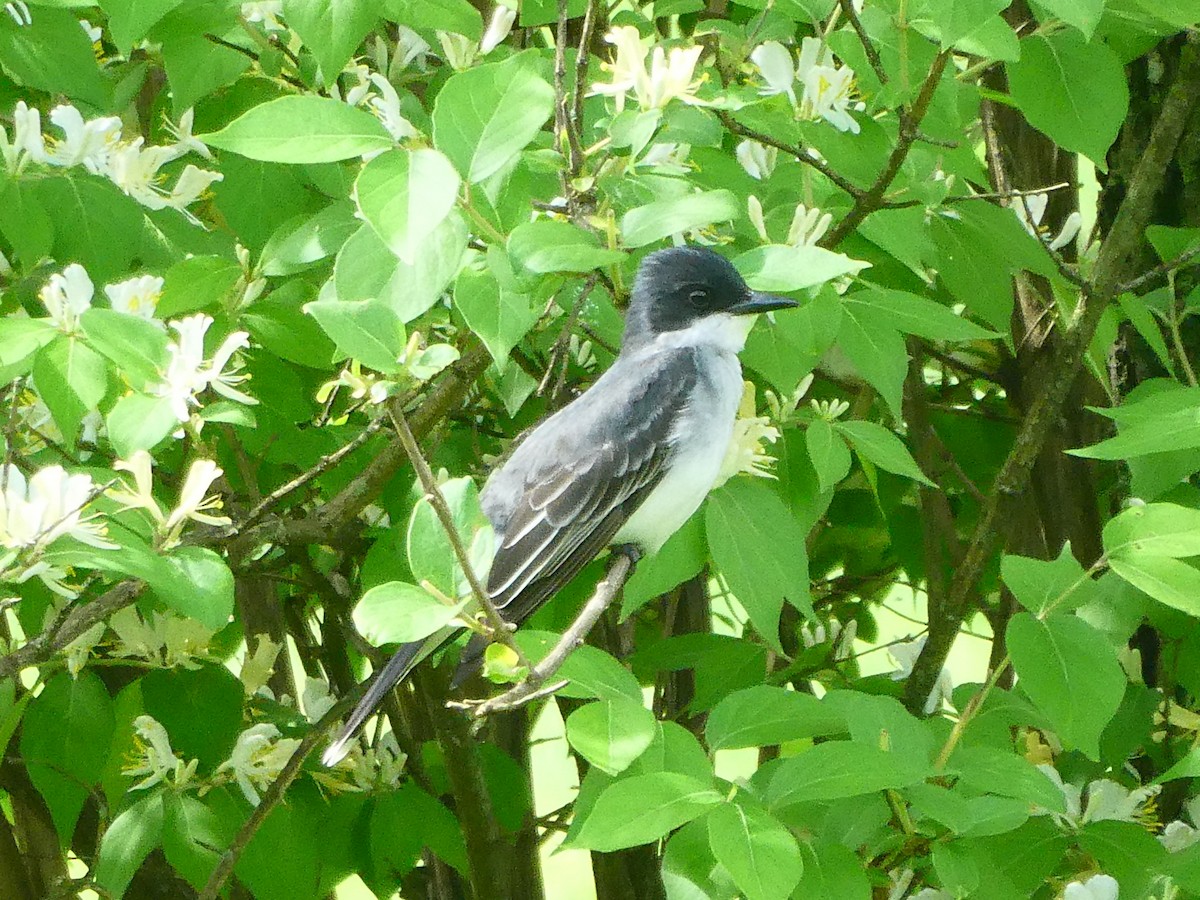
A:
192, 499
1098, 887
387, 109
46, 507
499, 27
19, 12
155, 758
136, 296
1101, 800
746, 453
808, 226
27, 135
1178, 836
186, 374
755, 212
667, 158
669, 77
267, 12
905, 656
257, 759
84, 143
778, 69
135, 170
139, 465
259, 666
67, 296
757, 159
185, 141
827, 88
829, 410
1031, 209
410, 48
842, 639
79, 650
457, 49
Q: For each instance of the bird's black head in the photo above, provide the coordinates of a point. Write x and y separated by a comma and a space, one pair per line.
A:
679, 286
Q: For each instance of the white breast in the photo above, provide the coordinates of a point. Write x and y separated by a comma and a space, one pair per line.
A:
701, 438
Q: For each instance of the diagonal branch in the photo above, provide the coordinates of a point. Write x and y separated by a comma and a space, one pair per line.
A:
868, 45
1060, 370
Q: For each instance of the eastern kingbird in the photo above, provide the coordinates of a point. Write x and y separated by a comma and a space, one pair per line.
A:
627, 462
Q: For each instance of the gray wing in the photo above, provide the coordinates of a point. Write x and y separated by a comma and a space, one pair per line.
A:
571, 485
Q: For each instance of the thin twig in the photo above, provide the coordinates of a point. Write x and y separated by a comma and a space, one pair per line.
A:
531, 688
1007, 195
566, 137
501, 630
1183, 259
865, 39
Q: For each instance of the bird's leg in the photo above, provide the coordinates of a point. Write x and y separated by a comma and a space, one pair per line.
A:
632, 552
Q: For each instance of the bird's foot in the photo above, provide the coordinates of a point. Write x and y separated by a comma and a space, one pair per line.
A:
632, 552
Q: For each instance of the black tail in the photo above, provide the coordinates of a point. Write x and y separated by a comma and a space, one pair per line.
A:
396, 670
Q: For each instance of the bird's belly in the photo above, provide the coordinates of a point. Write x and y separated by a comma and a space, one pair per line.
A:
703, 436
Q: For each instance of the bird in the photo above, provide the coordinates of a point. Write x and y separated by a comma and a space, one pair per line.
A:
623, 465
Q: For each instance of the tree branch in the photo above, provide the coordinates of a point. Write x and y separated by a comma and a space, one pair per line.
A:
1058, 374
869, 47
532, 688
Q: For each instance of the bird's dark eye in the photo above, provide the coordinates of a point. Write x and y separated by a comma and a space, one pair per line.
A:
698, 298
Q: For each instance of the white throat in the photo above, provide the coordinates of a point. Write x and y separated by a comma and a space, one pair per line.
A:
719, 331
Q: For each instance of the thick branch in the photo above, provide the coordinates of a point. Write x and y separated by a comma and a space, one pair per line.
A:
1059, 373
532, 687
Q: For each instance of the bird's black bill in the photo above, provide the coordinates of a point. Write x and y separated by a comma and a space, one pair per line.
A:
760, 303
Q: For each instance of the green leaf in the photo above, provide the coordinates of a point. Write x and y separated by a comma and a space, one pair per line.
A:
128, 841
1083, 14
689, 869
457, 16
72, 379
1071, 673
663, 218
1038, 583
1008, 775
746, 521
759, 852
137, 347
366, 330
485, 116
642, 809
431, 556
303, 128
611, 734
550, 246
197, 283
306, 239
399, 613
591, 671
832, 872
138, 422
64, 744
200, 708
838, 769
883, 448
790, 347
405, 195
331, 29
130, 20
1072, 91
201, 586
763, 716
499, 316
877, 351
911, 314
829, 454
1167, 580
1155, 529
52, 54
21, 338
195, 832
782, 268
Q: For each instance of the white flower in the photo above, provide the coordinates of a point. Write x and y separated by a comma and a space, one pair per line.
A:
1098, 887
757, 159
387, 109
667, 158
316, 698
137, 296
830, 410
48, 506
1178, 836
192, 499
259, 666
135, 170
93, 32
755, 211
669, 77
808, 226
191, 186
827, 88
67, 297
142, 496
775, 63
186, 374
83, 143
19, 12
266, 12
156, 759
457, 49
746, 453
498, 28
1032, 208
410, 47
905, 656
257, 759
185, 142
28, 142
841, 638
1107, 800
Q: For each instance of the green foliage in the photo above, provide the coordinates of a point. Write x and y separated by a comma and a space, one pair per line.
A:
235, 238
